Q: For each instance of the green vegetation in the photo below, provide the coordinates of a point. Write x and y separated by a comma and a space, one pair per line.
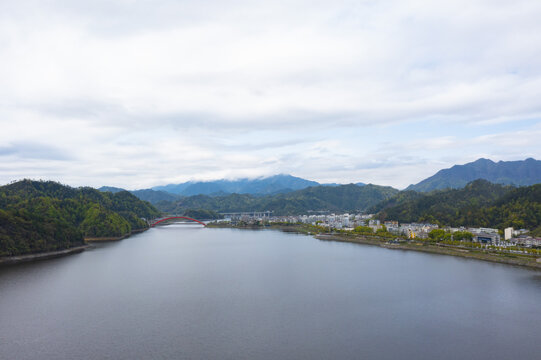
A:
39, 216
520, 208
363, 230
480, 203
437, 235
452, 207
462, 236
318, 198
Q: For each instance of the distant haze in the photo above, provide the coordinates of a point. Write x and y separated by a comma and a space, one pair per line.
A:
135, 94
263, 186
518, 173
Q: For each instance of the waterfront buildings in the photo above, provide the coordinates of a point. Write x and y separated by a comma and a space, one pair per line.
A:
485, 236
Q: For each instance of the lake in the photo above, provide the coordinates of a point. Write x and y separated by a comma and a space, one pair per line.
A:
188, 292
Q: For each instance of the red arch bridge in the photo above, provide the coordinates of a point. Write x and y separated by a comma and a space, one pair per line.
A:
160, 220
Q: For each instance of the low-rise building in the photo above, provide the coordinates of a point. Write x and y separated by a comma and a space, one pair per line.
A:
486, 238
527, 241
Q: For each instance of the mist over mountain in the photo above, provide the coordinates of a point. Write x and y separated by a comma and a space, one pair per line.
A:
518, 173
260, 186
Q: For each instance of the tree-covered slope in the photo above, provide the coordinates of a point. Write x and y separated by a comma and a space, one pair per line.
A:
402, 197
451, 206
480, 203
318, 198
38, 225
519, 208
154, 196
519, 173
39, 216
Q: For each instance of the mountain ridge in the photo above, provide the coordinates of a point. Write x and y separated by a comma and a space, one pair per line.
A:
262, 186
350, 197
518, 173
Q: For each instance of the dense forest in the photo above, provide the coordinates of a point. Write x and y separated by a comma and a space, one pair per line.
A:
39, 216
480, 203
342, 198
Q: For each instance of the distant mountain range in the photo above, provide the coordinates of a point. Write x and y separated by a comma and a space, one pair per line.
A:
341, 198
149, 195
277, 184
518, 173
260, 186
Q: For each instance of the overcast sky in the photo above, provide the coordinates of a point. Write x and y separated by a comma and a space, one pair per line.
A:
143, 93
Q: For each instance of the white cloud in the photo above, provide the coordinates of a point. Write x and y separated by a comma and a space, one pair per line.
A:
140, 93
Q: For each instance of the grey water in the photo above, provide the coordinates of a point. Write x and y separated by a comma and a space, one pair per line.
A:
188, 292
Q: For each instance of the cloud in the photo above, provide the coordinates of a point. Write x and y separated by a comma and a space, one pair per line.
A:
22, 150
335, 91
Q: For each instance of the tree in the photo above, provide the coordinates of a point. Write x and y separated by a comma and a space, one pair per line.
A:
436, 234
363, 229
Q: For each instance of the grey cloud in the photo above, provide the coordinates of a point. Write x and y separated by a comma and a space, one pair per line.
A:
28, 150
295, 86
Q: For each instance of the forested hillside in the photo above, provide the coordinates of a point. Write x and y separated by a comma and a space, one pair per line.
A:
38, 216
520, 208
318, 198
480, 203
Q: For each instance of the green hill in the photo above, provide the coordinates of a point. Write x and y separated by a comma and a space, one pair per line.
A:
318, 198
479, 203
39, 216
519, 208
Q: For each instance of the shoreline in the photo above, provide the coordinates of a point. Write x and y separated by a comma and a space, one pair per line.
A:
13, 260
113, 238
507, 259
529, 262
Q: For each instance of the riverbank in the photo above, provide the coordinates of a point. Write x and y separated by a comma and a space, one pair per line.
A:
529, 261
11, 260
114, 238
42, 256
502, 258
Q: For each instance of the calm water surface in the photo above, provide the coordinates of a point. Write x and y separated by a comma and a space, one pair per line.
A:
187, 292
